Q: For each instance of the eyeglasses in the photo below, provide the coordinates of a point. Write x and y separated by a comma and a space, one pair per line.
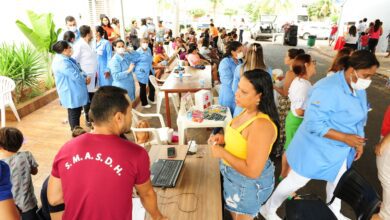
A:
314, 62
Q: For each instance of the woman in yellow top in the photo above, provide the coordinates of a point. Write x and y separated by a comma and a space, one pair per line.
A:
248, 173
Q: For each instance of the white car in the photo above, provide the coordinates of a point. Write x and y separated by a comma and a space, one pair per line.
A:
320, 30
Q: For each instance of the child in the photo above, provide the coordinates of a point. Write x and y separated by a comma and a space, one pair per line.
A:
21, 164
364, 41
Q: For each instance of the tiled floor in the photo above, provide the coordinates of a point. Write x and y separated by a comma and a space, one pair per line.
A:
46, 130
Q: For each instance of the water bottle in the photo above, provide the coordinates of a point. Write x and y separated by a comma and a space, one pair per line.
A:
181, 76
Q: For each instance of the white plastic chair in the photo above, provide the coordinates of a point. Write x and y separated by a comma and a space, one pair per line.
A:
158, 136
161, 95
183, 122
7, 86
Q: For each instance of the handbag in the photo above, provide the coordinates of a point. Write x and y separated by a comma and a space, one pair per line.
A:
308, 207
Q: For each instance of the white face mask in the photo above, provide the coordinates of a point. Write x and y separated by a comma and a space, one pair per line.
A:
144, 46
360, 84
121, 51
73, 28
240, 55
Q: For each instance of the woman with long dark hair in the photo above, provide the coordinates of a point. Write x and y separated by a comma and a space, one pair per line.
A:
105, 23
375, 33
247, 171
331, 135
231, 59
104, 53
351, 38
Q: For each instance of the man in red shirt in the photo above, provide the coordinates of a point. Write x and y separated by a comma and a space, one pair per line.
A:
333, 32
94, 174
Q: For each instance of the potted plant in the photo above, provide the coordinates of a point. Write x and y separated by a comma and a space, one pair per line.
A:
24, 65
43, 34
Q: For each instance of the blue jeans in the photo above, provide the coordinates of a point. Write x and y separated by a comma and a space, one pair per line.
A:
243, 195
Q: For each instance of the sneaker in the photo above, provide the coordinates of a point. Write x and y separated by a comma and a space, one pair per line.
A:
147, 106
152, 102
267, 215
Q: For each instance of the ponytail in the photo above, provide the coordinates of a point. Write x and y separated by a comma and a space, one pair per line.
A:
298, 66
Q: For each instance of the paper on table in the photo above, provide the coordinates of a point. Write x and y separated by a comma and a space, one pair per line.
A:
138, 209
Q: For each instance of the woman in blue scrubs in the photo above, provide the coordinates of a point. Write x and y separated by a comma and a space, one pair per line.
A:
104, 53
71, 82
226, 68
143, 69
121, 67
331, 135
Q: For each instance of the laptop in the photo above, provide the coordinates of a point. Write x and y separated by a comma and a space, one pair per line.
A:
165, 172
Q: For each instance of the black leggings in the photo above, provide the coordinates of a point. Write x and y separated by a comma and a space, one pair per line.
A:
88, 106
241, 36
30, 215
372, 44
74, 117
142, 93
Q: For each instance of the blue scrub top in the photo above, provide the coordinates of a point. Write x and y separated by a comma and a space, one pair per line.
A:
5, 182
70, 82
226, 70
143, 65
236, 80
331, 105
104, 52
118, 66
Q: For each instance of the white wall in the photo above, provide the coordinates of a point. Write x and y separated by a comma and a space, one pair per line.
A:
355, 10
17, 9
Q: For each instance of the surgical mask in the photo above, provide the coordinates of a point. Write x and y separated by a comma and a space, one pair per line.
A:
360, 84
144, 46
73, 28
240, 55
121, 51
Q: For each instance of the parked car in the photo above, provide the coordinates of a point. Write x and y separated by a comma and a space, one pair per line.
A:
264, 28
318, 29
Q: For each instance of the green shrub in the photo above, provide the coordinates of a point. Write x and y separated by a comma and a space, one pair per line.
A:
42, 34
23, 64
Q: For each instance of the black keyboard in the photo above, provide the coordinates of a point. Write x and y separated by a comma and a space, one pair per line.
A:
166, 172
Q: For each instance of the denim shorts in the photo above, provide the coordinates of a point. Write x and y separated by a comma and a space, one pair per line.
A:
243, 195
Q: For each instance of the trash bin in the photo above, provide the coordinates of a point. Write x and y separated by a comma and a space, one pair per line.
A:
311, 40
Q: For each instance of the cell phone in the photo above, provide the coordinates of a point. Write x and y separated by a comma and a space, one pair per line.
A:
171, 151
